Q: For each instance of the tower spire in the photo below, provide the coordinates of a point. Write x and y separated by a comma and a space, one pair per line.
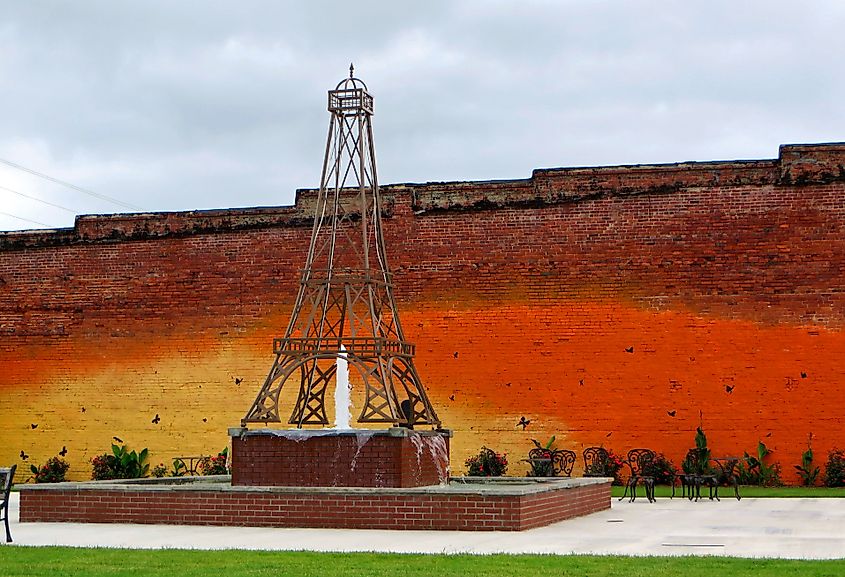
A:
345, 303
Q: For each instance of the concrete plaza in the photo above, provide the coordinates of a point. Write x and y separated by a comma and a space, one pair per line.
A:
779, 528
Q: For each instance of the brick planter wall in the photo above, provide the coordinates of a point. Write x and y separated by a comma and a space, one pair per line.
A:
469, 508
392, 458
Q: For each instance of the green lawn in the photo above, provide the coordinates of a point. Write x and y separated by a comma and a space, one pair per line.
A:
748, 491
64, 562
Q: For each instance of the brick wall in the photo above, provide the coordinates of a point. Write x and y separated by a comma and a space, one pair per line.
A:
403, 459
621, 306
467, 511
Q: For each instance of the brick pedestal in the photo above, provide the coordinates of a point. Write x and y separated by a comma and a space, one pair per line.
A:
326, 458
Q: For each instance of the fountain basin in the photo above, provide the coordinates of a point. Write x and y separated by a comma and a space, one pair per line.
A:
468, 504
395, 457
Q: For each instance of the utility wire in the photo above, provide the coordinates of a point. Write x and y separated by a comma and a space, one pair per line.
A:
69, 185
27, 220
37, 199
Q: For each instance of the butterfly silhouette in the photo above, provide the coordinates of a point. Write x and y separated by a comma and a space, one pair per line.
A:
204, 420
803, 375
729, 388
118, 439
608, 435
671, 413
156, 420
451, 397
523, 422
629, 350
238, 380
83, 409
63, 452
33, 425
455, 355
24, 456
581, 382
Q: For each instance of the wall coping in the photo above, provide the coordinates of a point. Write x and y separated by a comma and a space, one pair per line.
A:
505, 486
797, 165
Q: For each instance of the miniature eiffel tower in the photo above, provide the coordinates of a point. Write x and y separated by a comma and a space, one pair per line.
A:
345, 304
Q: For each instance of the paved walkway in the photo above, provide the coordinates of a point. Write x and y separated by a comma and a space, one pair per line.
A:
785, 528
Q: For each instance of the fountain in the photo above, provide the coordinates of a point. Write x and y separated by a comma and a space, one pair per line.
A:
344, 324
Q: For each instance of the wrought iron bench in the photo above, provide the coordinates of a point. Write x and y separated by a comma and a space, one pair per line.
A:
6, 478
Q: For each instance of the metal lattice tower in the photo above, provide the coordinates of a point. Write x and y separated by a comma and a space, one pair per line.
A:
345, 303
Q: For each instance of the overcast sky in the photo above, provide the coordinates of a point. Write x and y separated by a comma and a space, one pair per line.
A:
167, 105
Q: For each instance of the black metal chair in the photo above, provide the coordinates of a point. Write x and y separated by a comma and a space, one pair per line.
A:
595, 461
697, 473
6, 478
728, 473
551, 462
637, 462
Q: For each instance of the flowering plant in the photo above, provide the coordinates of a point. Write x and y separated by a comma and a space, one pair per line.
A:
487, 463
215, 465
159, 470
53, 471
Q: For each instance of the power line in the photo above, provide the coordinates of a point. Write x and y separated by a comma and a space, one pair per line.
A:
37, 199
27, 220
69, 185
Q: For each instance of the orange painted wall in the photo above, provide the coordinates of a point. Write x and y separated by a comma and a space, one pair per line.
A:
522, 297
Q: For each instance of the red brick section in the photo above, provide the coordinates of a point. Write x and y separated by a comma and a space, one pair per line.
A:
723, 279
463, 512
344, 460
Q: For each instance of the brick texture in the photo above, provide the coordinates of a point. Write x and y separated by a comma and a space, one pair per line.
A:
621, 306
372, 510
346, 460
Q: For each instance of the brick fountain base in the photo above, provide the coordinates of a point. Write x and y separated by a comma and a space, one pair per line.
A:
395, 457
503, 504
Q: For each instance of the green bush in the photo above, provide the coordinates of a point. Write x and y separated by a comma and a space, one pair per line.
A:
53, 471
834, 469
661, 469
120, 464
806, 471
755, 471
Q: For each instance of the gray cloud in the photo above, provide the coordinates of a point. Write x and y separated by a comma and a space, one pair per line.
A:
183, 105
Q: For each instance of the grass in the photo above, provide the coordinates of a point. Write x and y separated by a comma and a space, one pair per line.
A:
66, 562
749, 491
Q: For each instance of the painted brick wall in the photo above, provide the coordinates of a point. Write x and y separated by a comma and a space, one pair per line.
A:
620, 306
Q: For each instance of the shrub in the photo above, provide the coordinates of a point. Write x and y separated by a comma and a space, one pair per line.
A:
215, 465
53, 471
661, 469
834, 469
755, 471
159, 471
609, 467
806, 471
179, 468
487, 463
120, 464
